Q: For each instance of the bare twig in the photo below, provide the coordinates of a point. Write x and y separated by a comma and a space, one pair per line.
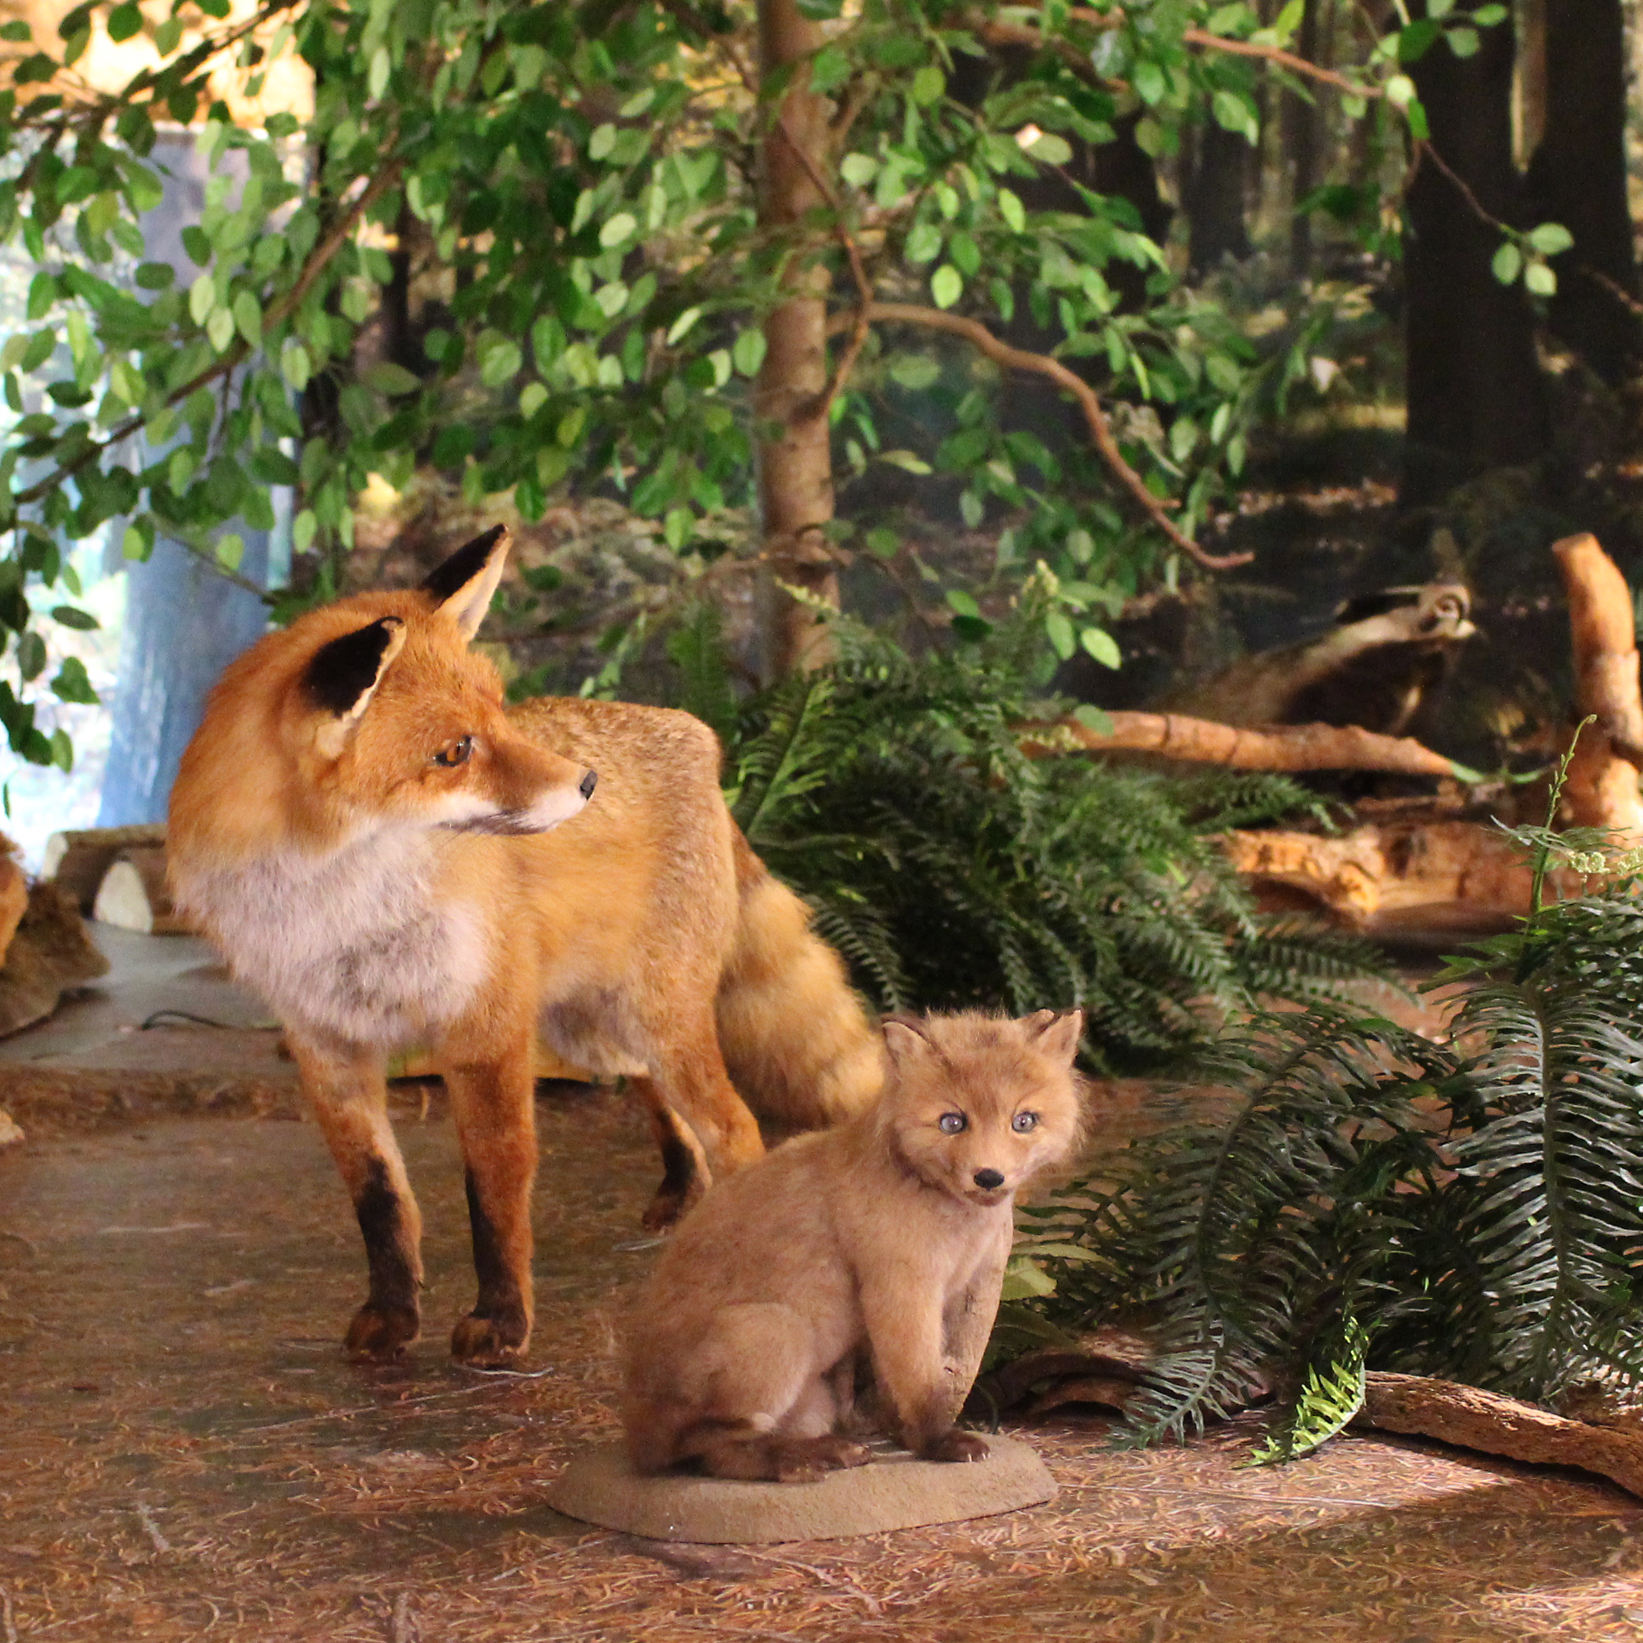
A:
404, 1628
1095, 416
998, 32
151, 1528
8, 1626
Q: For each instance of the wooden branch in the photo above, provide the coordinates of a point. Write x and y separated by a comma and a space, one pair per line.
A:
1278, 747
76, 860
225, 362
1602, 789
1095, 416
1475, 1419
996, 31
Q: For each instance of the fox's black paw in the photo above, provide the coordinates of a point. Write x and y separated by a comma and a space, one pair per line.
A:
489, 1343
380, 1333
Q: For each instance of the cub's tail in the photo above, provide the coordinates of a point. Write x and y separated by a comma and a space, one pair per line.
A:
796, 1040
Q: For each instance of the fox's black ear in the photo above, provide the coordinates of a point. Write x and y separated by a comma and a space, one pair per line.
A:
342, 676
461, 588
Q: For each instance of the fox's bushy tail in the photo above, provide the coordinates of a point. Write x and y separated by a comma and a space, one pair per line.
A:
796, 1039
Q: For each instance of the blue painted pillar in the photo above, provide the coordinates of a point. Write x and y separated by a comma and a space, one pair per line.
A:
184, 623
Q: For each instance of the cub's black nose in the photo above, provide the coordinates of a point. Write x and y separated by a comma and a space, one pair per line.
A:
589, 782
987, 1179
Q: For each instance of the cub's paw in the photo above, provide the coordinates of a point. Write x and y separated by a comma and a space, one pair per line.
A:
955, 1445
380, 1333
836, 1453
489, 1343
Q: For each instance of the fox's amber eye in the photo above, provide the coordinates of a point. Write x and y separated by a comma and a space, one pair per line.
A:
1024, 1121
455, 753
950, 1123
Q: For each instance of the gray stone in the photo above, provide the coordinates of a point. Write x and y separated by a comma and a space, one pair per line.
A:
893, 1491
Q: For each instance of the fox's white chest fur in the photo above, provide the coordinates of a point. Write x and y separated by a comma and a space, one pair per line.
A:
355, 943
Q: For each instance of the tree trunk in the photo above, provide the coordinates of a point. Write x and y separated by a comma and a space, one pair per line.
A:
1303, 129
795, 468
1474, 393
1577, 177
1214, 197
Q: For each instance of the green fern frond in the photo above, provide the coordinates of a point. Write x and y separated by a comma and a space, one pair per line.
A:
1329, 1400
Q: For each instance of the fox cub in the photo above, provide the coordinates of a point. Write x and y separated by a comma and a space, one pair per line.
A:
886, 1236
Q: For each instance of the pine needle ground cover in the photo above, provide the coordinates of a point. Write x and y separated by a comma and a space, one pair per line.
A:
1471, 1209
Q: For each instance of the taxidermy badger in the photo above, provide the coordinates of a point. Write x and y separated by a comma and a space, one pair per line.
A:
1386, 652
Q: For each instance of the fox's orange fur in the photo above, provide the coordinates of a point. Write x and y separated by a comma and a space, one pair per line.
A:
885, 1238
364, 831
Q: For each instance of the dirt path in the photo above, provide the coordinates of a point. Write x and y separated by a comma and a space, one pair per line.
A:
184, 1454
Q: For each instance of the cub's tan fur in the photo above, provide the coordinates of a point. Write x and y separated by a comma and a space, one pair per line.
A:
389, 854
886, 1236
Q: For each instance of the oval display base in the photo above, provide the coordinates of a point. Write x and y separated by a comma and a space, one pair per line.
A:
893, 1491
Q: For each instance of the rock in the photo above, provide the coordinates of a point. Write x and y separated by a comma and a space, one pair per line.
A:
894, 1491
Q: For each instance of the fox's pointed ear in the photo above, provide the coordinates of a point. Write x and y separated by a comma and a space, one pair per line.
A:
904, 1039
461, 588
1055, 1033
341, 678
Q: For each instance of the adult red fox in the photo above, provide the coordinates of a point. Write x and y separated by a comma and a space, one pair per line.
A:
390, 857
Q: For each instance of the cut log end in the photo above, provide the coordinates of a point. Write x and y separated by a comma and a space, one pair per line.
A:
133, 895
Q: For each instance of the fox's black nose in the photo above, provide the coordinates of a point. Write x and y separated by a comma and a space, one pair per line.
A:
987, 1179
589, 782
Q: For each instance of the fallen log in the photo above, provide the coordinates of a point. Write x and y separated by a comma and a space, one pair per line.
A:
1272, 747
134, 896
1473, 1419
77, 859
1602, 787
1394, 877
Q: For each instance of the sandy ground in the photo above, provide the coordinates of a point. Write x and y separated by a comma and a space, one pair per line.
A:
184, 1453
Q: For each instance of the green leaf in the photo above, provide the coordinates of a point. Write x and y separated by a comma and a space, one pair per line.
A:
858, 169
303, 530
915, 372
124, 21
946, 285
928, 85
1487, 16
1550, 238
748, 353
499, 361
202, 298
883, 543
295, 365
230, 550
1101, 645
1507, 262
42, 294
618, 230
387, 378
1012, 211
17, 32
1050, 149
1540, 279
962, 602
923, 242
906, 461
31, 655
72, 618
1149, 82
1060, 630
154, 276
1463, 42
73, 684
1092, 718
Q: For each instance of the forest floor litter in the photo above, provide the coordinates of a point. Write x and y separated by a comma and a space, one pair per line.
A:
184, 1451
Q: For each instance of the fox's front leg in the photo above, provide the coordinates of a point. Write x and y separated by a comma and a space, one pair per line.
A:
349, 1098
968, 1322
903, 1314
493, 1103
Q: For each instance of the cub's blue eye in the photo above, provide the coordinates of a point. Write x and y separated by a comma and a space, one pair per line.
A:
1024, 1121
950, 1123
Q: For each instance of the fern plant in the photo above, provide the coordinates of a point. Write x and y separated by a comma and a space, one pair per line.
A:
1472, 1209
952, 870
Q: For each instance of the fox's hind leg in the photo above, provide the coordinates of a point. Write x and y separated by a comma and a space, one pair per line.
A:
781, 1460
685, 1175
688, 1078
350, 1102
493, 1103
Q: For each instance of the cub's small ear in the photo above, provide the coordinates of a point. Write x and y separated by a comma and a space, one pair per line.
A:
462, 587
1055, 1033
341, 678
904, 1039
